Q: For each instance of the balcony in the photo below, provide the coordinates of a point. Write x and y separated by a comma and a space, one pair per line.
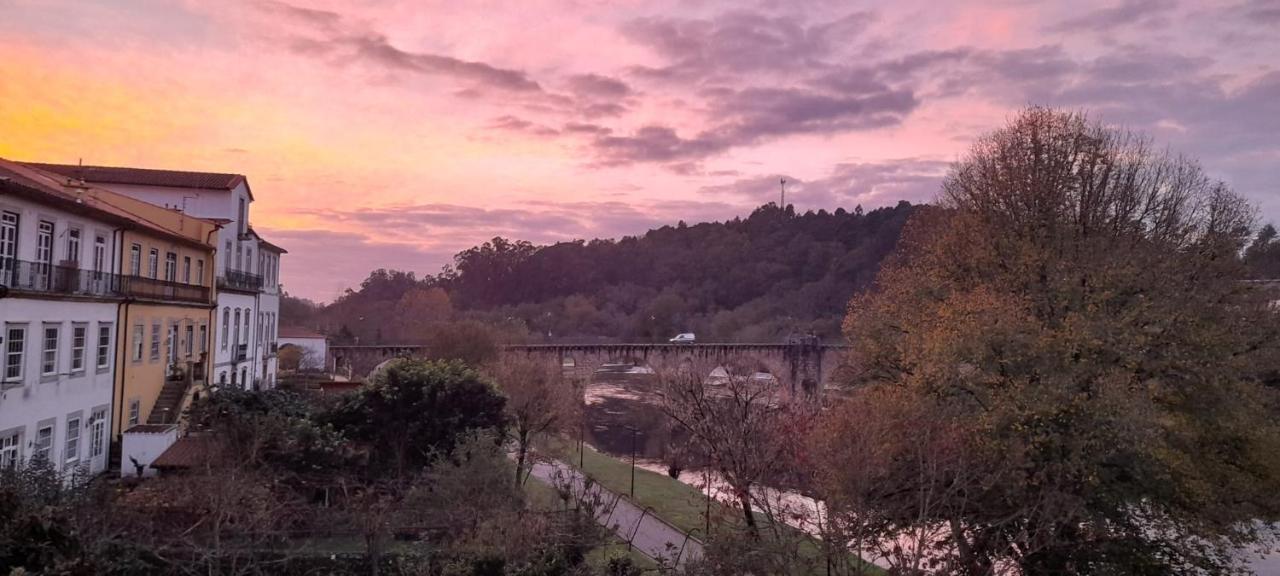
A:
66, 278
238, 280
151, 288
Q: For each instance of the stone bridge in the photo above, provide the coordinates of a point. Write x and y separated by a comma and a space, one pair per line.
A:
805, 366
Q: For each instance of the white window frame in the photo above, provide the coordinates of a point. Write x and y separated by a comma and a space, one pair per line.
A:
153, 263
43, 445
103, 346
98, 433
74, 236
170, 266
71, 442
135, 260
135, 412
49, 355
10, 449
99, 253
155, 340
15, 360
139, 341
79, 343
189, 345
186, 269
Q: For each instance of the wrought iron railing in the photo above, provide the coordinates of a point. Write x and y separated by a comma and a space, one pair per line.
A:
20, 275
242, 352
142, 287
24, 276
239, 280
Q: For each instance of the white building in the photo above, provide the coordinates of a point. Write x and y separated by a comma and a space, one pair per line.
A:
247, 267
58, 306
313, 347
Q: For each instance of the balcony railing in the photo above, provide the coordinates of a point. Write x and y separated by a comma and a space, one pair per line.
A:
20, 275
238, 280
241, 353
142, 287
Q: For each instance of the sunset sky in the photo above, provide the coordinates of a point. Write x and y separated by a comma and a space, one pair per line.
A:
394, 134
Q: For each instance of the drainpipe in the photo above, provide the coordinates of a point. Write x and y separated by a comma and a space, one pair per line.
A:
122, 313
210, 352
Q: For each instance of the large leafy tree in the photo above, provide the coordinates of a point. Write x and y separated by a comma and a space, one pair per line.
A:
1071, 319
412, 411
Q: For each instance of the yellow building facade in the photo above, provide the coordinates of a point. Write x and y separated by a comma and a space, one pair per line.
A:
165, 326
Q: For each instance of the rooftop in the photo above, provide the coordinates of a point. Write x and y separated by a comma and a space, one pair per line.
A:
298, 332
144, 176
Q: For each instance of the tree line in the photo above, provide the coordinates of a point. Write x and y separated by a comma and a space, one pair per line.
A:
757, 278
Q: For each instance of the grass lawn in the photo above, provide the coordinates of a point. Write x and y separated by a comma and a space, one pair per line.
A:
681, 505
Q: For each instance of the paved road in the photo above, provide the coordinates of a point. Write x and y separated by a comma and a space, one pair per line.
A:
653, 537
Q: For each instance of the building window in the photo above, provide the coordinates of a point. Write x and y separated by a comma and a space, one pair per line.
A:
200, 271
236, 326
153, 263
239, 257
99, 253
49, 353
227, 256
135, 410
248, 257
97, 433
204, 338
135, 260
44, 442
14, 347
44, 244
170, 267
155, 341
10, 450
190, 343
8, 245
226, 319
246, 326
79, 339
171, 343
72, 448
241, 223
73, 245
186, 269
139, 335
104, 345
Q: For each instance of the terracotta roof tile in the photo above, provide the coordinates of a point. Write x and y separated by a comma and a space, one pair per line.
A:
144, 176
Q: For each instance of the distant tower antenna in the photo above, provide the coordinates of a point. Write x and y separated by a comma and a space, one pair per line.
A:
783, 201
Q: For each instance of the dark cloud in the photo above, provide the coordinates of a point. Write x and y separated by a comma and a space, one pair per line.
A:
740, 42
597, 86
753, 115
1263, 12
514, 124
331, 36
1125, 13
870, 184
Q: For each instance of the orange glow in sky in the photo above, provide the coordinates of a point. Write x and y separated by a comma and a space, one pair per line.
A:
395, 134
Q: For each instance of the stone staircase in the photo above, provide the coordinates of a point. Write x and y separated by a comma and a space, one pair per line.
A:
168, 406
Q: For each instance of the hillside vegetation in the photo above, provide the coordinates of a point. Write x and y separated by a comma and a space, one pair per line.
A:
748, 279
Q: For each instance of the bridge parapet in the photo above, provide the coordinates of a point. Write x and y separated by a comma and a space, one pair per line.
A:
800, 367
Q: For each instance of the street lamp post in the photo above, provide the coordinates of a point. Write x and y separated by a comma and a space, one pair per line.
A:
633, 462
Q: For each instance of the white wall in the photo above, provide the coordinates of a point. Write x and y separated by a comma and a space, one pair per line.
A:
224, 354
144, 444
39, 400
29, 216
317, 349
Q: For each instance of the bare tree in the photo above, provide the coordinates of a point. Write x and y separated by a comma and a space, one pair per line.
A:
735, 415
539, 401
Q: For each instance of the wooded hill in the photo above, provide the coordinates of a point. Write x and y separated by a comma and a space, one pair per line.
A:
748, 279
